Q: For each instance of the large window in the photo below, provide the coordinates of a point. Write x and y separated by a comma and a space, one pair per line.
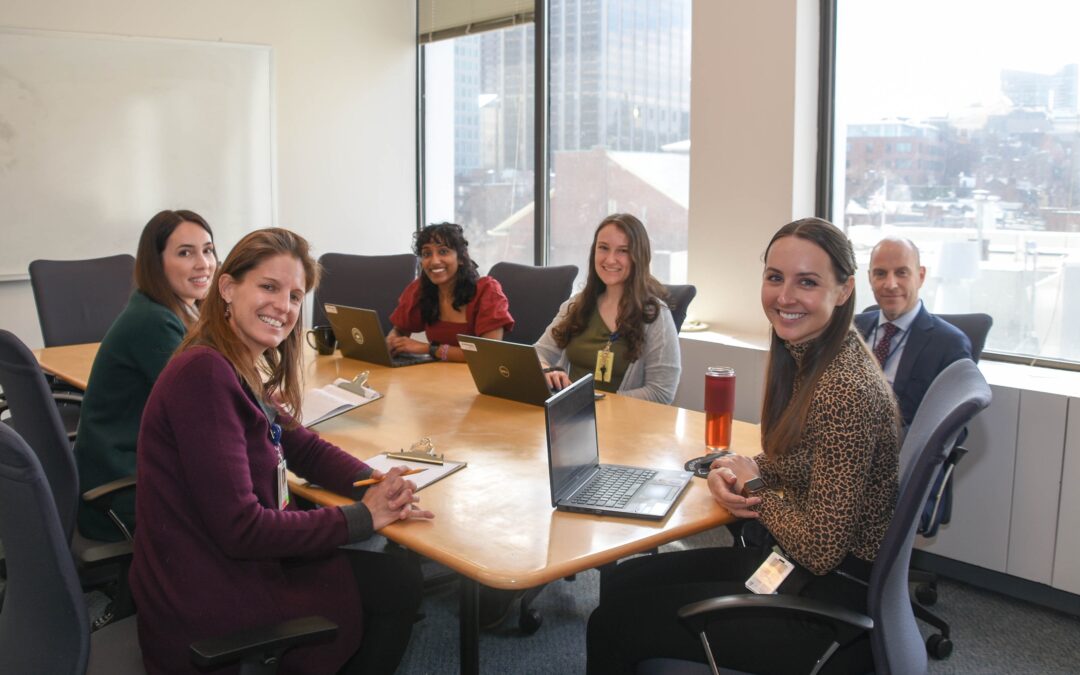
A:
479, 141
958, 126
619, 137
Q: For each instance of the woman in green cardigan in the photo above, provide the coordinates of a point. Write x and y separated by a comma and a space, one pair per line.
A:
174, 266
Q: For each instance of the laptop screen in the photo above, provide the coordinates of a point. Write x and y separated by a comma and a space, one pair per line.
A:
571, 436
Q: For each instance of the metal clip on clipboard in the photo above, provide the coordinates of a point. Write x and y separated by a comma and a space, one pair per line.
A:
421, 451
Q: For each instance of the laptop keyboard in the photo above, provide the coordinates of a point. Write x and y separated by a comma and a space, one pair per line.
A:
613, 486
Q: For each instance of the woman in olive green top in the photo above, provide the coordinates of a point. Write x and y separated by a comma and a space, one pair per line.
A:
618, 327
174, 266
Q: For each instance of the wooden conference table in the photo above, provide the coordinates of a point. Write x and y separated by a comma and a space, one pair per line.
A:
494, 522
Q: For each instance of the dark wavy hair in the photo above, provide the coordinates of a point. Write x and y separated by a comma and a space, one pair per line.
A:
783, 412
150, 276
468, 273
642, 292
277, 375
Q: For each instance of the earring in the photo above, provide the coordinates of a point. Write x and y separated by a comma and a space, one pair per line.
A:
228, 310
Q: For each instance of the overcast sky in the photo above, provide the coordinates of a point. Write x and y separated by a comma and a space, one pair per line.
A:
917, 58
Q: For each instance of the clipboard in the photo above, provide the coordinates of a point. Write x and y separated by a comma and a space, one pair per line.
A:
336, 399
420, 455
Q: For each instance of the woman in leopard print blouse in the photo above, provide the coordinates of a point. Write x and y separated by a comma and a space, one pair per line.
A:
830, 434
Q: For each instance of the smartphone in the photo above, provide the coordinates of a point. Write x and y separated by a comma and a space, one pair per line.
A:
700, 465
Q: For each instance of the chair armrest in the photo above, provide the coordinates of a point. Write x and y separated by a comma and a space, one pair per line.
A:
107, 554
107, 490
262, 643
67, 397
697, 614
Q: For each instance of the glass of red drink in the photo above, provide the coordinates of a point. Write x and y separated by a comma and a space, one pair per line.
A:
719, 406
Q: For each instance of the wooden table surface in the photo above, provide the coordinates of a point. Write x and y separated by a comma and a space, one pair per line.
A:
70, 363
494, 520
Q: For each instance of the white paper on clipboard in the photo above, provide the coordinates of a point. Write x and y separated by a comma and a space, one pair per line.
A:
434, 471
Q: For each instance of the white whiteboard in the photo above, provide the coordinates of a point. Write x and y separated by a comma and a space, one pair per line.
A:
99, 133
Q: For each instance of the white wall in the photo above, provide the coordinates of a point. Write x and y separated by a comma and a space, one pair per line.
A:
345, 109
753, 131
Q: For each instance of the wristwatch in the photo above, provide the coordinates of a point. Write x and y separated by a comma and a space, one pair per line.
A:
756, 484
433, 350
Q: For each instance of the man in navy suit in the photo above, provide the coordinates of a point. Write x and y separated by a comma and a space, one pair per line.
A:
911, 344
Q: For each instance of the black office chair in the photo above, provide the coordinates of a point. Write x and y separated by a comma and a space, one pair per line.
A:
938, 509
679, 298
367, 281
953, 399
37, 420
44, 625
535, 294
77, 300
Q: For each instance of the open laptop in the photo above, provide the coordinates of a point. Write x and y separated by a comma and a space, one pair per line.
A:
579, 482
505, 369
360, 336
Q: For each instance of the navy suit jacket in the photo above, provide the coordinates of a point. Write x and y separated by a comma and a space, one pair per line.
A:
932, 345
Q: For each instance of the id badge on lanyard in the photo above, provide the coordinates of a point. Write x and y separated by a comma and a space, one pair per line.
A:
282, 469
605, 361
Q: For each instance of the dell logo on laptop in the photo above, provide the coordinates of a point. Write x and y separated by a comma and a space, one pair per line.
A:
357, 336
504, 371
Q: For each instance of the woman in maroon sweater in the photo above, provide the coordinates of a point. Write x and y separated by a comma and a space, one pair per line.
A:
221, 546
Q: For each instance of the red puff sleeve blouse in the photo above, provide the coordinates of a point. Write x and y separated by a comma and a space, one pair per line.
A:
489, 309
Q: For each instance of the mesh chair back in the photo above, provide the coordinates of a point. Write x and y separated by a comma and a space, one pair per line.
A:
35, 417
535, 294
44, 627
679, 298
367, 281
954, 398
975, 326
77, 300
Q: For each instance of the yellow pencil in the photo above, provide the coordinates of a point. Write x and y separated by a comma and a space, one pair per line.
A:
372, 481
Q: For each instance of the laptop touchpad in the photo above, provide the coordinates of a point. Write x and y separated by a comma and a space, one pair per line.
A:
655, 492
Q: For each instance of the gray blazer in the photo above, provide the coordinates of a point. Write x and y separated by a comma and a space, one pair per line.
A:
653, 377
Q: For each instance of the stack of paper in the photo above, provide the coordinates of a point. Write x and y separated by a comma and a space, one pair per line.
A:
332, 400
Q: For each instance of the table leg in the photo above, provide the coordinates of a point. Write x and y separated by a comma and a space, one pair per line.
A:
469, 613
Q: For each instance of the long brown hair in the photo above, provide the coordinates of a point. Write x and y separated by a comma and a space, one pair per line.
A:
642, 292
150, 276
276, 376
783, 416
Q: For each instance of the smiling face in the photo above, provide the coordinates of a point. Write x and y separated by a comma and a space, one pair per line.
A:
189, 262
439, 262
612, 259
265, 304
896, 277
799, 290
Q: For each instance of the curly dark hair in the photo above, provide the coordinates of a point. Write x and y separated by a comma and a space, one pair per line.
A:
451, 236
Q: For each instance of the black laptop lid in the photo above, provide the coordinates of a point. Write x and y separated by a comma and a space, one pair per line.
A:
573, 452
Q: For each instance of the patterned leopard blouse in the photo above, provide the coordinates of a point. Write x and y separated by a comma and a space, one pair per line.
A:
840, 483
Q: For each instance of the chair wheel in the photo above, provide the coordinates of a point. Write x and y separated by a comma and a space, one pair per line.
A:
529, 621
926, 594
938, 646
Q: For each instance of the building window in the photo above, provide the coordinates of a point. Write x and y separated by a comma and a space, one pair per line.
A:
983, 177
620, 125
619, 133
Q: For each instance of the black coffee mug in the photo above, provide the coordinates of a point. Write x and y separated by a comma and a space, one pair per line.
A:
324, 339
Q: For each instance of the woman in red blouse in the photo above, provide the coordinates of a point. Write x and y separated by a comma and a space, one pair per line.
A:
449, 299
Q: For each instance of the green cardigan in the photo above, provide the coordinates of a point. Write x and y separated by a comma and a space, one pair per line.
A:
132, 355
